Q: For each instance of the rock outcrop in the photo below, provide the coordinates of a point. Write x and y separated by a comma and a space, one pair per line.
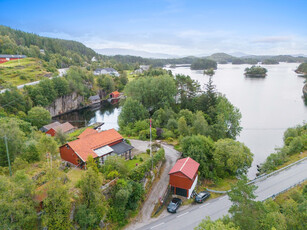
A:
66, 104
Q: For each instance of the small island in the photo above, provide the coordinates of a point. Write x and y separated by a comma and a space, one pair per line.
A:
209, 72
255, 71
270, 62
302, 70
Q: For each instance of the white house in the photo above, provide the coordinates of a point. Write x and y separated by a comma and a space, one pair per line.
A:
108, 71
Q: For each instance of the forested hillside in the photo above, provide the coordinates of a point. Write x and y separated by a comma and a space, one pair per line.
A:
58, 52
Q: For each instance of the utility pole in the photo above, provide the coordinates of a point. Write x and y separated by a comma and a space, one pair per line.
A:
8, 156
151, 147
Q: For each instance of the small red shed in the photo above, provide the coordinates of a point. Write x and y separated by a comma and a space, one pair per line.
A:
183, 177
114, 94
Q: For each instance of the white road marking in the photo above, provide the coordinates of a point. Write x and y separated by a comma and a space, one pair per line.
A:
157, 225
203, 205
182, 214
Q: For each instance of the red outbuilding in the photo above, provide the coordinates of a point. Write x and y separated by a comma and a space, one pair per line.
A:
183, 177
114, 94
8, 57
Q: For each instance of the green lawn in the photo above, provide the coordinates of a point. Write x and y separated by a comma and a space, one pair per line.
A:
132, 163
18, 72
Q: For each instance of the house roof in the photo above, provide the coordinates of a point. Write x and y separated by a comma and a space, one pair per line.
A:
85, 146
86, 132
94, 98
65, 127
50, 126
187, 166
115, 93
11, 56
121, 148
110, 70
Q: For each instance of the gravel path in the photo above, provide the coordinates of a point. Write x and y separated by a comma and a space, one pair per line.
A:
157, 190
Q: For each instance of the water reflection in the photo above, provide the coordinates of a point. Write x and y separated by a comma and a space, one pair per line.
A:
105, 112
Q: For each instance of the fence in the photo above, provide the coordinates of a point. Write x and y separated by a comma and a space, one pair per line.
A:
163, 199
264, 176
285, 190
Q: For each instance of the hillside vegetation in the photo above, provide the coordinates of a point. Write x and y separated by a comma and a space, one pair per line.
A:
58, 53
18, 72
302, 68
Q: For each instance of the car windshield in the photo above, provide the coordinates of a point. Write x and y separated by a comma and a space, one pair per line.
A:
201, 194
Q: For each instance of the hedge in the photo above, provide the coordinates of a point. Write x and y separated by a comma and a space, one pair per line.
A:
138, 172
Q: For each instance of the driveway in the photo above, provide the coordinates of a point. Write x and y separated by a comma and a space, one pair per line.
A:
158, 188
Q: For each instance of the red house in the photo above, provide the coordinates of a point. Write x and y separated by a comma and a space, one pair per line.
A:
64, 128
183, 177
8, 57
114, 94
99, 145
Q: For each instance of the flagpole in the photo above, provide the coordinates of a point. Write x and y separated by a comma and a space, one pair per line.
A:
150, 147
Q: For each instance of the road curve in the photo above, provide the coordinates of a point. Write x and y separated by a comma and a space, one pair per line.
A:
191, 217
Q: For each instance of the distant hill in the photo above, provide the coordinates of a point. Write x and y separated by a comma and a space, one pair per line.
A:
58, 53
130, 52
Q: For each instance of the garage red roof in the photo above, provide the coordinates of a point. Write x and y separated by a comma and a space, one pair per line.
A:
84, 146
187, 166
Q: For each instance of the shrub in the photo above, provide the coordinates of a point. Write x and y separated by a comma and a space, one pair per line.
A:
296, 145
138, 172
113, 174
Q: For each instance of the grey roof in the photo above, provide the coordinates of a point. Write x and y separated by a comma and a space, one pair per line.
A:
12, 56
121, 147
106, 69
49, 126
94, 98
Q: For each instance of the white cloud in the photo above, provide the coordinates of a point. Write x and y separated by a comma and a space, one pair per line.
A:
273, 39
192, 42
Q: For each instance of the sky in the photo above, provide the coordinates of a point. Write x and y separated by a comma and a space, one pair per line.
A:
175, 27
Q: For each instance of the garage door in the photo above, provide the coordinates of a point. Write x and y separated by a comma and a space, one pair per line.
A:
181, 192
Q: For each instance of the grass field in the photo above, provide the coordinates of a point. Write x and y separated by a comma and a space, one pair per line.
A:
133, 163
18, 72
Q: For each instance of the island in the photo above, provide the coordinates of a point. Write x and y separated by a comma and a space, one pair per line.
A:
209, 72
203, 63
255, 71
302, 70
270, 62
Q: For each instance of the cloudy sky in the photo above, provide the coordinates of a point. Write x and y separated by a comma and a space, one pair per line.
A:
176, 27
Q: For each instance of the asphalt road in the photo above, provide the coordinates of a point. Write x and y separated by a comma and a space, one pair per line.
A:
191, 217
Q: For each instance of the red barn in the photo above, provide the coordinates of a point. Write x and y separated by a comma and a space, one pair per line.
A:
8, 57
183, 177
99, 145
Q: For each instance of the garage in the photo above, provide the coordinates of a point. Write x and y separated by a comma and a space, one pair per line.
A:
183, 177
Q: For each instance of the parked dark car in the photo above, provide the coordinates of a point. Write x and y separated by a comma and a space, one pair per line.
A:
202, 196
174, 205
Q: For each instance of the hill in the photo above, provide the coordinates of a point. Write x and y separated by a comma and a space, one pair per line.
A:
21, 71
302, 69
58, 53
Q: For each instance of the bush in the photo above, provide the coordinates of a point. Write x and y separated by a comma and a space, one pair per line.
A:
296, 146
138, 172
113, 174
